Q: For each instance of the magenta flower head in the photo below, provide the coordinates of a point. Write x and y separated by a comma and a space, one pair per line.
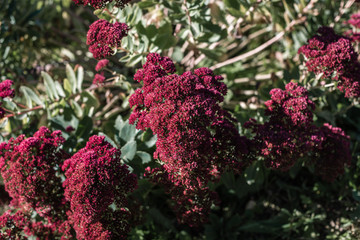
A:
5, 91
28, 165
355, 20
101, 64
101, 3
99, 79
96, 179
103, 37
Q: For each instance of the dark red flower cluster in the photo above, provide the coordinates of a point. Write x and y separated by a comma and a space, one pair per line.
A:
104, 36
331, 151
334, 57
101, 64
28, 165
5, 91
101, 3
31, 173
197, 139
96, 181
289, 135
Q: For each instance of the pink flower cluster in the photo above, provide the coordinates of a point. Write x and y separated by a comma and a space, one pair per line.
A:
104, 36
101, 3
334, 57
354, 21
96, 179
99, 79
290, 135
101, 64
197, 139
31, 173
5, 91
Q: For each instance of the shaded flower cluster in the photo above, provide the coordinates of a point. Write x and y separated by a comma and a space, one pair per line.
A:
334, 57
284, 138
95, 181
30, 169
104, 36
331, 151
290, 135
197, 139
191, 206
5, 91
101, 3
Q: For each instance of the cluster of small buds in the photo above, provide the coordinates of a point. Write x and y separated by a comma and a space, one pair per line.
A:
31, 169
99, 79
290, 134
333, 56
5, 91
103, 37
196, 138
101, 64
101, 3
96, 179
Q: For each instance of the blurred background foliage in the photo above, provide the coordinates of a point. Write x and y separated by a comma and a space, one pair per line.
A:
252, 43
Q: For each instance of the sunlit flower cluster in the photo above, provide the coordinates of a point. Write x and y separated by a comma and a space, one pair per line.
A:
103, 37
197, 139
